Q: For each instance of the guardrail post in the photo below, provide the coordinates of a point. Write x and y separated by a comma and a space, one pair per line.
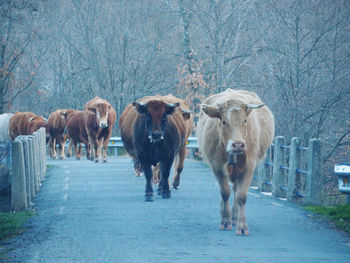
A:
30, 139
277, 177
18, 181
264, 172
36, 160
294, 183
26, 155
314, 184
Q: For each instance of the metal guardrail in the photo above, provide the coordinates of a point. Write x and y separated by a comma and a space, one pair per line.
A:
28, 168
191, 144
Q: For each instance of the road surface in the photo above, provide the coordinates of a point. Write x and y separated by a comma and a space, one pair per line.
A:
89, 212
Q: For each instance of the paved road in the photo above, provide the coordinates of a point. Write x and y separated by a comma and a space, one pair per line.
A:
88, 212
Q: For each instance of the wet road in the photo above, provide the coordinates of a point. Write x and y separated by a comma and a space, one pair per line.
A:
88, 212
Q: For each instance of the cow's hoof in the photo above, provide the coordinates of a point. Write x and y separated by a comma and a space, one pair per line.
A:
242, 230
176, 185
104, 161
78, 158
68, 155
226, 226
96, 161
166, 195
62, 158
159, 191
149, 197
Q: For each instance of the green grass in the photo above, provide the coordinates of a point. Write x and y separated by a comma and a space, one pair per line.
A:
339, 215
11, 224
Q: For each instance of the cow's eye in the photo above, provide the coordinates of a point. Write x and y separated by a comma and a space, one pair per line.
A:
245, 121
224, 122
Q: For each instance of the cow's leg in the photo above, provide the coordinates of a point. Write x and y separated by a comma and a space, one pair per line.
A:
77, 150
240, 199
157, 178
148, 175
53, 147
61, 145
225, 192
178, 166
104, 150
92, 148
234, 211
165, 167
98, 150
50, 147
69, 150
137, 167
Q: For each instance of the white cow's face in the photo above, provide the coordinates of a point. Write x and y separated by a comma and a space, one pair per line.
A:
233, 123
233, 129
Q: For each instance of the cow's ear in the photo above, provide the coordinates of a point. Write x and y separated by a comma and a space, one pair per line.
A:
91, 110
170, 108
211, 111
186, 114
140, 107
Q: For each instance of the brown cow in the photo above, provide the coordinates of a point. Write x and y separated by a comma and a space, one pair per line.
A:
234, 130
99, 119
56, 128
153, 131
77, 133
25, 123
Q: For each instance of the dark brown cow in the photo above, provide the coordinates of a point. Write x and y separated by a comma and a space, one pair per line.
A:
99, 119
153, 131
56, 128
25, 123
180, 157
77, 133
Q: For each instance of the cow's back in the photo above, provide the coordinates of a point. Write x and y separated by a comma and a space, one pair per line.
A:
75, 125
126, 124
4, 126
56, 122
19, 124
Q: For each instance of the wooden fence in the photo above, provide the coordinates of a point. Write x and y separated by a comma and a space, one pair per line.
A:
28, 168
292, 171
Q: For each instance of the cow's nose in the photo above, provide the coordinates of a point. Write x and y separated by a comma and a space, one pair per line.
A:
156, 137
238, 146
103, 125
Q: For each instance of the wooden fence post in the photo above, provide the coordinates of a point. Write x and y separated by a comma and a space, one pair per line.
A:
43, 151
18, 180
27, 164
264, 173
294, 183
314, 184
278, 173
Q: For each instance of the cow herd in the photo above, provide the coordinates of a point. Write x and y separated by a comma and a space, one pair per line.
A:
234, 130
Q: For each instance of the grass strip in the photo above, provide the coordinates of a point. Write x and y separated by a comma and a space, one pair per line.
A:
339, 215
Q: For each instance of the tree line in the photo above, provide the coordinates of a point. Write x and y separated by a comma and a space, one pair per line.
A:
294, 54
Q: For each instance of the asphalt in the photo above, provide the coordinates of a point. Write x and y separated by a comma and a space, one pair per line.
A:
89, 212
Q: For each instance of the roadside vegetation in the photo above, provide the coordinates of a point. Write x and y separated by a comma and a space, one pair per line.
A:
338, 215
11, 224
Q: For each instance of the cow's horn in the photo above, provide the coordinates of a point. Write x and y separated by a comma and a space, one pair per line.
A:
252, 106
